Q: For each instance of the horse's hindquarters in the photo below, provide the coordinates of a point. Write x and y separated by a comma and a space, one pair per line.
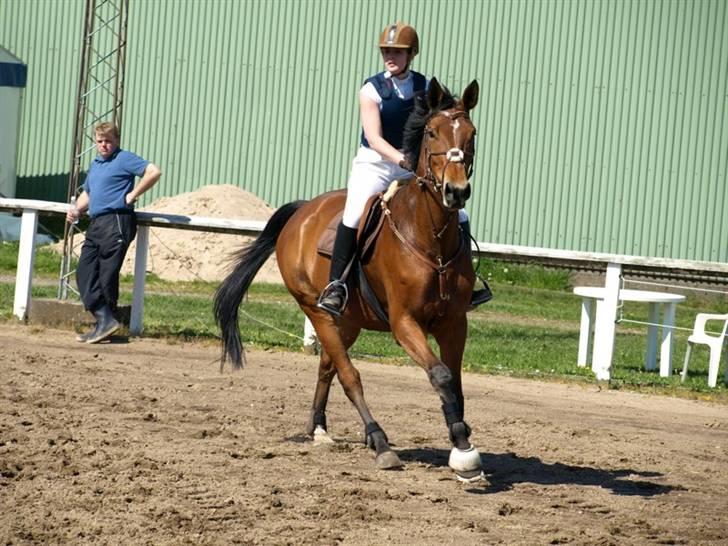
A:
304, 271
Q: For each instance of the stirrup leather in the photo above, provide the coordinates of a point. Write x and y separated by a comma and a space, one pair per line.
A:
337, 289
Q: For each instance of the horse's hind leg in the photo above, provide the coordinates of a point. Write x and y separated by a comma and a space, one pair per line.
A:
326, 373
335, 343
317, 426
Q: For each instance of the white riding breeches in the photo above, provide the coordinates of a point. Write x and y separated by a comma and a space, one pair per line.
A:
371, 174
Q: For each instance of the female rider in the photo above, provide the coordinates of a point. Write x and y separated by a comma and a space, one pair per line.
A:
385, 102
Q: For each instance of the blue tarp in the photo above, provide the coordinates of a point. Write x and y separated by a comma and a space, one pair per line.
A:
10, 231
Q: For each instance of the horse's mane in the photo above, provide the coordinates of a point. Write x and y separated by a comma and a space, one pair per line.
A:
414, 129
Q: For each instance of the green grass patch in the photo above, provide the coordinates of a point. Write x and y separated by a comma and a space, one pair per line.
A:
534, 276
47, 261
530, 329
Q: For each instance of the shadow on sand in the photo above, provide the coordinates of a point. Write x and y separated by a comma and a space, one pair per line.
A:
503, 470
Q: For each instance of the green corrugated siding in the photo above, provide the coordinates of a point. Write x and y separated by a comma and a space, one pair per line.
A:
47, 37
601, 123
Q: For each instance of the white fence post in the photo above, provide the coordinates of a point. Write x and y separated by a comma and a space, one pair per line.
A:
667, 339
26, 259
585, 334
136, 319
605, 324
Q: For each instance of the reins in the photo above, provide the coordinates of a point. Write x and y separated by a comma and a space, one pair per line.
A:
436, 263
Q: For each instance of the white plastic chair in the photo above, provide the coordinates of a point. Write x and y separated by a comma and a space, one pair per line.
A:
715, 343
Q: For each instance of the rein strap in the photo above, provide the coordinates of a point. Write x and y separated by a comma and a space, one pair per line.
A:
439, 267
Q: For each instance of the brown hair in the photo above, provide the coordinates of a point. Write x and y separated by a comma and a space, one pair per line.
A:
107, 128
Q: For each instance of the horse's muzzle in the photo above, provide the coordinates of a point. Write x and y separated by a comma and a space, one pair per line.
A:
455, 197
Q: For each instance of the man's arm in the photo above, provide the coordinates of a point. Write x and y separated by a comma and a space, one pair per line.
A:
150, 177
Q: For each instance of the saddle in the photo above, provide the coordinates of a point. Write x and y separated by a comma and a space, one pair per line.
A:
370, 226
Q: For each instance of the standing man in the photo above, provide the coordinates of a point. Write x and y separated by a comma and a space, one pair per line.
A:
108, 195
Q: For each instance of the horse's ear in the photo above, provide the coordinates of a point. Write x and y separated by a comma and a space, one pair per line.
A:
434, 93
470, 95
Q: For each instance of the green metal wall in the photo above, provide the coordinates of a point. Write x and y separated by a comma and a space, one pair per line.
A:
602, 124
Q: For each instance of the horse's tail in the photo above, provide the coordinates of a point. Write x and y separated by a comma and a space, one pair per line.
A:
229, 294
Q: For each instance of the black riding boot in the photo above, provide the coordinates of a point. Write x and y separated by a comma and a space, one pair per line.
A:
334, 296
482, 295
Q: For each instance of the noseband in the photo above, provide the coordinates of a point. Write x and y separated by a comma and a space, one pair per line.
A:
453, 155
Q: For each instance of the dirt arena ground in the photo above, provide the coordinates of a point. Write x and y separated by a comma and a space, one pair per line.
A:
147, 442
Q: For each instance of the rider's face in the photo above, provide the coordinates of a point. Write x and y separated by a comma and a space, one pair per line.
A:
395, 59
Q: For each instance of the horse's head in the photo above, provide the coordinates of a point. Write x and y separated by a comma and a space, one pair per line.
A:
447, 145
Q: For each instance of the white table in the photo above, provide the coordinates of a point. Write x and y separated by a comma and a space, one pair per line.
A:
656, 300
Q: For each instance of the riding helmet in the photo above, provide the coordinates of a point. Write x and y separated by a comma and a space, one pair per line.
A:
400, 35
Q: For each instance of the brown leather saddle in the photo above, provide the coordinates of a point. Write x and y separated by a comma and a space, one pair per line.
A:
369, 228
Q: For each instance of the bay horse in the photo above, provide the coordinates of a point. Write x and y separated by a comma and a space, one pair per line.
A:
419, 269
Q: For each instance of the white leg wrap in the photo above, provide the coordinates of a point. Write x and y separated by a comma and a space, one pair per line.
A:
320, 436
465, 460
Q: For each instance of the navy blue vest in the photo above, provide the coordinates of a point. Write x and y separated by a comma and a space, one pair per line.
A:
394, 111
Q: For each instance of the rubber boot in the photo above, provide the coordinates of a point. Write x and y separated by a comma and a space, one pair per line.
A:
82, 338
334, 296
482, 295
106, 325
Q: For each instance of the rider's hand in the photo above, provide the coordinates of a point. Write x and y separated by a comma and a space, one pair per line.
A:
405, 163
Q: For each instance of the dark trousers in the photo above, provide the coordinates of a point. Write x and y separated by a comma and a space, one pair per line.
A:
107, 240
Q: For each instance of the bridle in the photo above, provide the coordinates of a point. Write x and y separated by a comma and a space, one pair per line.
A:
453, 155
433, 185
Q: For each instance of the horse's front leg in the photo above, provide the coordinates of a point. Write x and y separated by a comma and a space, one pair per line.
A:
451, 338
445, 378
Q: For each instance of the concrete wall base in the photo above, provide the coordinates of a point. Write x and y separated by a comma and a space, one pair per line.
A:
64, 313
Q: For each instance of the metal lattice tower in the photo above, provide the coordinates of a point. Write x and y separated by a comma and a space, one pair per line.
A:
100, 97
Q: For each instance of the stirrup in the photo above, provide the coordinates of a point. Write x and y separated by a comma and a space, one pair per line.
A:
335, 289
481, 296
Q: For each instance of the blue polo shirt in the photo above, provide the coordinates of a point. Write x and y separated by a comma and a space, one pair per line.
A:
110, 180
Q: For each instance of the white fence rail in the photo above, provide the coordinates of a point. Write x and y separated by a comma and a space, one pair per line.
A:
604, 327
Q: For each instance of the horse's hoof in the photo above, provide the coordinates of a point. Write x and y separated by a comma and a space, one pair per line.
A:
465, 461
388, 460
320, 436
471, 476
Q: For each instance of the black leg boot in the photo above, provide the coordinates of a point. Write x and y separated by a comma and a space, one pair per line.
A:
334, 296
106, 325
481, 295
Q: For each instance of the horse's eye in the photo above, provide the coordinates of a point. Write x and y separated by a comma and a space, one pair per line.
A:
429, 132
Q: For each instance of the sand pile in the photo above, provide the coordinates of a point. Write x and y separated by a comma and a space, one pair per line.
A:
184, 255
